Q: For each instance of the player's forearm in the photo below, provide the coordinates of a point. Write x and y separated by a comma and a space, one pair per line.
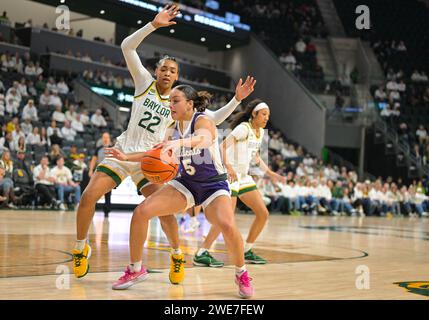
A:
135, 157
133, 40
198, 141
223, 113
142, 78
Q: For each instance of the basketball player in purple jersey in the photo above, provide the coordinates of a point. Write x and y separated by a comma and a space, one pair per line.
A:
202, 181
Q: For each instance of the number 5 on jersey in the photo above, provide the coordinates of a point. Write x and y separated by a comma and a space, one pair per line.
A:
188, 168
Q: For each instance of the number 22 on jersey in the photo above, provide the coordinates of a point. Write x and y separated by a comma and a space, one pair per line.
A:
149, 122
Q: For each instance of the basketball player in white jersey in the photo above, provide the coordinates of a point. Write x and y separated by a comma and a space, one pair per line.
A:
240, 148
150, 118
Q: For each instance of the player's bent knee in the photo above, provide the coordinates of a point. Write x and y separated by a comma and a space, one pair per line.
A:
226, 226
87, 198
143, 211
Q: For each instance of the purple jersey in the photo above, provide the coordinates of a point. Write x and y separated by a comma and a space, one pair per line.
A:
202, 174
199, 165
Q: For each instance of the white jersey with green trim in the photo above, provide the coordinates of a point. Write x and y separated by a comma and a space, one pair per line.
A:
247, 145
150, 118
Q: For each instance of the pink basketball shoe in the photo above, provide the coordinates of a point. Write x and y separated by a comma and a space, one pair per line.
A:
245, 289
130, 278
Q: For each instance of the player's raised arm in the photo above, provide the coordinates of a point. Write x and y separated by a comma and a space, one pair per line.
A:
139, 73
242, 91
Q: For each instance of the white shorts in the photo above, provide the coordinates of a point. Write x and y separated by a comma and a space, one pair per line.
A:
119, 170
245, 183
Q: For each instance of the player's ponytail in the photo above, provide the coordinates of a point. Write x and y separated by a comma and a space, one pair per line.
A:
201, 99
244, 115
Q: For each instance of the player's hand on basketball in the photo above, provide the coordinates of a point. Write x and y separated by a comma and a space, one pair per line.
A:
164, 17
232, 175
243, 90
115, 153
170, 145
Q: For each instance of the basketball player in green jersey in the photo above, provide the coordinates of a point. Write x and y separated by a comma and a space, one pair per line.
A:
240, 148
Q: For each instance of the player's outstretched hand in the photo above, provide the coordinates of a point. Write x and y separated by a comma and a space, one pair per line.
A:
164, 17
115, 153
243, 90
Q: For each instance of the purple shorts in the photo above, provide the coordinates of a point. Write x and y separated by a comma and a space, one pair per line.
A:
200, 193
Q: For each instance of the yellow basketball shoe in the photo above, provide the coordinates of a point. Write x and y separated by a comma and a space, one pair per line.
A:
80, 261
177, 268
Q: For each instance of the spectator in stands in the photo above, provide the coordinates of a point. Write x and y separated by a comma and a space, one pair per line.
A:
44, 181
84, 117
30, 111
77, 124
98, 120
51, 85
41, 86
6, 182
394, 96
422, 134
17, 132
7, 141
300, 46
67, 131
62, 87
12, 105
22, 88
392, 85
34, 137
380, 94
58, 115
39, 69
44, 140
55, 99
289, 61
45, 98
20, 145
106, 114
78, 168
401, 47
64, 182
2, 106
54, 154
30, 69
52, 127
71, 113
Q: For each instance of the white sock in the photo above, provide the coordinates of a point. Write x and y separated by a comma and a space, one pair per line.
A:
80, 244
136, 266
201, 251
248, 246
176, 251
239, 270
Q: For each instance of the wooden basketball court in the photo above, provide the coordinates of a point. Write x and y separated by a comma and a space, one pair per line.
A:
309, 258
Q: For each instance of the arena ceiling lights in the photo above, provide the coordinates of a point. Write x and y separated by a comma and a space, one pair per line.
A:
193, 24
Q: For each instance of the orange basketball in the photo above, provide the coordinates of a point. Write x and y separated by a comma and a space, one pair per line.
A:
159, 167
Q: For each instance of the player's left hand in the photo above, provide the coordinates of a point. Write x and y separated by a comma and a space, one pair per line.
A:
243, 90
172, 145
